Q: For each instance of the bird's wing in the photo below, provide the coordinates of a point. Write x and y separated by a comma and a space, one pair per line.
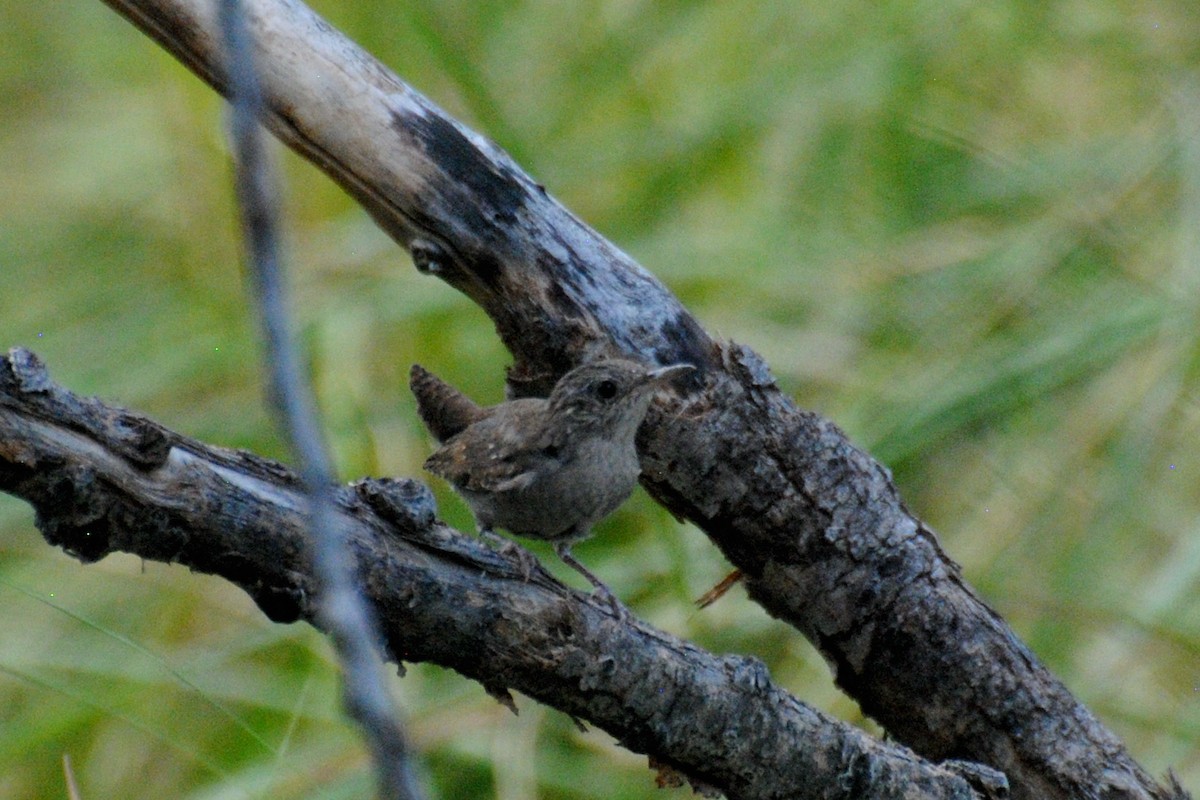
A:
495, 455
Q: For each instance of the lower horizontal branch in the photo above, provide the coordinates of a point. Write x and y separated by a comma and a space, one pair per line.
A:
103, 479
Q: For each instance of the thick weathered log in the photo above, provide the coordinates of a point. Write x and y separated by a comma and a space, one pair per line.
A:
816, 524
104, 479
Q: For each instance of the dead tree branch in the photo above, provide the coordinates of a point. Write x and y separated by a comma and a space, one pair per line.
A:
815, 523
103, 479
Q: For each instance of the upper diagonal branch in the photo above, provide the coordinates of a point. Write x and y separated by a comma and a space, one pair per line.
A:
814, 522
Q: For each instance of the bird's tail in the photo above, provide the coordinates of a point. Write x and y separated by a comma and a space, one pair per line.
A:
444, 409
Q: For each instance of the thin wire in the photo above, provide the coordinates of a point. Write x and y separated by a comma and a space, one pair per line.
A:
342, 609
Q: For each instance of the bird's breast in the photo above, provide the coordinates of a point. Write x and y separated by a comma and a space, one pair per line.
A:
563, 498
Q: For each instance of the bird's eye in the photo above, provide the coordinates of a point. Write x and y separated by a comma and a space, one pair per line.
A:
606, 390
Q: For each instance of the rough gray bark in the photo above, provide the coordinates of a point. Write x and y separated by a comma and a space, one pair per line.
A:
816, 524
103, 479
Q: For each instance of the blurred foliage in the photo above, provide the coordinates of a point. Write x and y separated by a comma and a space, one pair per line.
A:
967, 232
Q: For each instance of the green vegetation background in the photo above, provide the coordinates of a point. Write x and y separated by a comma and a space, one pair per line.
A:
967, 232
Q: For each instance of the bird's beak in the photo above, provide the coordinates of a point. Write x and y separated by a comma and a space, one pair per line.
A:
667, 374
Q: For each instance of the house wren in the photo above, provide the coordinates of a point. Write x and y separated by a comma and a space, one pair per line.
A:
545, 468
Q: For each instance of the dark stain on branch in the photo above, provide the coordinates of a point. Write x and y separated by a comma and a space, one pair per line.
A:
566, 305
72, 513
685, 341
488, 183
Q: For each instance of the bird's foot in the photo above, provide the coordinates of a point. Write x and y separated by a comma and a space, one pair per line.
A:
619, 609
526, 561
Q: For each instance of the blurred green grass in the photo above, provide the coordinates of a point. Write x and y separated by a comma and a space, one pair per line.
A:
968, 233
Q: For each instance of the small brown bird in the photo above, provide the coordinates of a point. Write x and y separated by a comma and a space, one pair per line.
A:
545, 468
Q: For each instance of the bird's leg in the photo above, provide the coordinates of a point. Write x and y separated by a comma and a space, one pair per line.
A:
526, 560
564, 552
